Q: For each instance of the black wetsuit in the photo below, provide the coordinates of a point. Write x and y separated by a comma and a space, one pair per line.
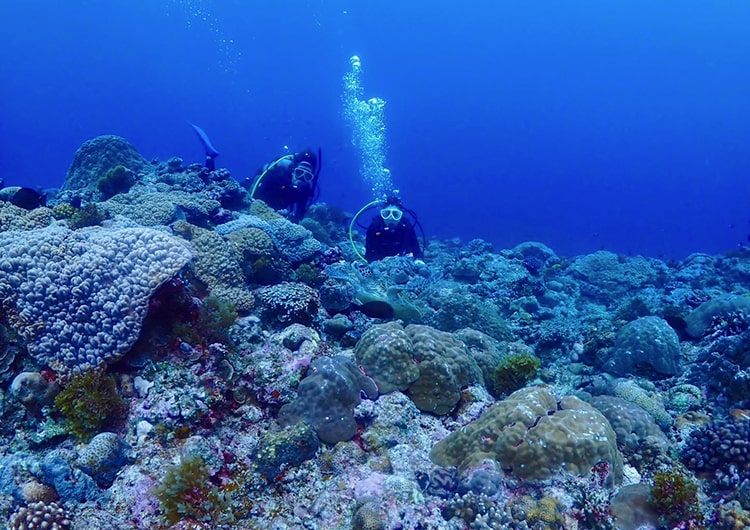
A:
383, 240
277, 190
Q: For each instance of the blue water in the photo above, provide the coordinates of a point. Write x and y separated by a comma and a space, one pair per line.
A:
622, 125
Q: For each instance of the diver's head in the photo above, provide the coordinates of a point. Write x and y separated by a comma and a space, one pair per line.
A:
391, 214
302, 175
309, 156
305, 165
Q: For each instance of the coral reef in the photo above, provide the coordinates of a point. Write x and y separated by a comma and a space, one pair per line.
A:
278, 382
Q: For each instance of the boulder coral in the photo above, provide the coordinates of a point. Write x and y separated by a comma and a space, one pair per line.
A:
431, 366
647, 342
327, 396
533, 436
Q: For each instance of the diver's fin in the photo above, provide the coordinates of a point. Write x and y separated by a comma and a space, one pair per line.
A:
205, 141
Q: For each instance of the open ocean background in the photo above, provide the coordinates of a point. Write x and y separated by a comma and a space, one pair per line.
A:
586, 125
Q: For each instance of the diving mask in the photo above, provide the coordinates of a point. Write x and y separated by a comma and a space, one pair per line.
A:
302, 174
391, 213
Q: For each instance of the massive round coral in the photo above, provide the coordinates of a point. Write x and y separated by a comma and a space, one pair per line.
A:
533, 436
430, 365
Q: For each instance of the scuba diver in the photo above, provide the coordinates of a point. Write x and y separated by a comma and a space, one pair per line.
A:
211, 152
390, 233
289, 182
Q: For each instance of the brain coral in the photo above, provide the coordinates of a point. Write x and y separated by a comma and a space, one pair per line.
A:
430, 365
533, 436
79, 297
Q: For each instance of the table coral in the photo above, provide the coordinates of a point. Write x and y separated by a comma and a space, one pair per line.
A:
79, 298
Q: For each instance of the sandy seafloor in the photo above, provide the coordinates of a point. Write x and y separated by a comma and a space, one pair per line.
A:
175, 355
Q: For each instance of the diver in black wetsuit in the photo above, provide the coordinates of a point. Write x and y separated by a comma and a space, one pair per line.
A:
391, 234
289, 183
